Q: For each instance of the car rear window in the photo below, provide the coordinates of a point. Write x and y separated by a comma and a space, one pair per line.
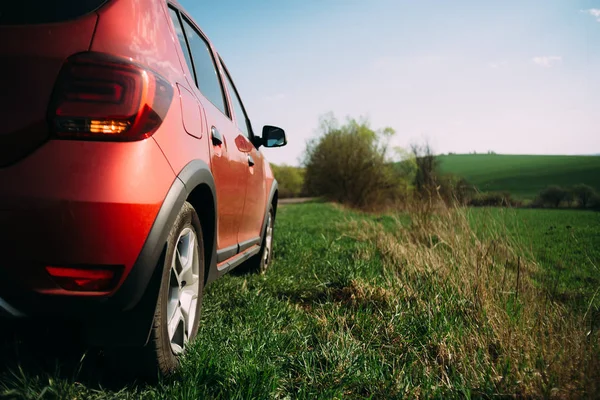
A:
23, 12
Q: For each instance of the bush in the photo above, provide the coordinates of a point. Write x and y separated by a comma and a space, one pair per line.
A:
429, 183
290, 180
349, 164
494, 199
426, 179
552, 196
584, 195
595, 202
569, 198
454, 189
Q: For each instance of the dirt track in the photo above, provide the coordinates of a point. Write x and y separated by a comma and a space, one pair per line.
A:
295, 200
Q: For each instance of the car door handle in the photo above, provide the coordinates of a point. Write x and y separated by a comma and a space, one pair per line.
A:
216, 137
250, 161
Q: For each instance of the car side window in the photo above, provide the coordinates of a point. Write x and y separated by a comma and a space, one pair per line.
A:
182, 42
238, 110
207, 76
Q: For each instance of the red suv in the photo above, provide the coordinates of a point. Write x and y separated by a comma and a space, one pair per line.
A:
130, 175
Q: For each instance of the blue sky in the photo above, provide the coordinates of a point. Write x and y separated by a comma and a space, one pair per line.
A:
519, 77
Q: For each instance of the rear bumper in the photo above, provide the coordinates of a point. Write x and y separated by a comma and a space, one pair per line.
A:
80, 203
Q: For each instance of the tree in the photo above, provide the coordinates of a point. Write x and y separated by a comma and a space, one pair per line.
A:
350, 163
583, 194
454, 189
425, 180
552, 195
290, 180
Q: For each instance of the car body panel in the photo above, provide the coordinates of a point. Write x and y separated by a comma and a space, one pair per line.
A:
256, 197
111, 196
31, 61
193, 118
255, 186
228, 163
113, 203
140, 30
229, 167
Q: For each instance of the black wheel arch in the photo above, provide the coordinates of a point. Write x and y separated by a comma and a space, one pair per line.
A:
133, 305
272, 200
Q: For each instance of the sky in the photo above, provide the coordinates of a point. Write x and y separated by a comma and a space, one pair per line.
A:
510, 76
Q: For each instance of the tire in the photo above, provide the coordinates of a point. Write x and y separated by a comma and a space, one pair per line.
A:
260, 263
175, 322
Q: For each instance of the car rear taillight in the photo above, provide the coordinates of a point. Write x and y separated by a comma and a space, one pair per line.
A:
85, 279
103, 97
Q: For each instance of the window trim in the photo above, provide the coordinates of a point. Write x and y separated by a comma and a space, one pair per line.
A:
230, 79
185, 18
187, 44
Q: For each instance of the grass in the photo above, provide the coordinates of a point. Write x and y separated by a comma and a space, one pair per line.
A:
522, 175
363, 306
565, 243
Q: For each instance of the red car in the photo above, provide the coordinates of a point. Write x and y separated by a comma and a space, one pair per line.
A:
130, 175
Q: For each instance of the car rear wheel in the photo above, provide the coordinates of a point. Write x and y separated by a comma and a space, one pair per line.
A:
177, 313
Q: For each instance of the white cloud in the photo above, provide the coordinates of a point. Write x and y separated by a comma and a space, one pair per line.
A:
594, 12
547, 61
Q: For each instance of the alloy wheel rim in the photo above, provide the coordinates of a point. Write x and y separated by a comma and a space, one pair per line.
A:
268, 243
183, 290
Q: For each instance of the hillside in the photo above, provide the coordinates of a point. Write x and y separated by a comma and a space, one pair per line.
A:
522, 175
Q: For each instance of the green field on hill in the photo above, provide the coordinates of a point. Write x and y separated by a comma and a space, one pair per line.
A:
522, 175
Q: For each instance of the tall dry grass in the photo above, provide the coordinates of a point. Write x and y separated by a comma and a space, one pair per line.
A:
513, 335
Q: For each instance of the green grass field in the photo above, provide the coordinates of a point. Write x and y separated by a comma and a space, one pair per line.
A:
522, 175
362, 306
565, 243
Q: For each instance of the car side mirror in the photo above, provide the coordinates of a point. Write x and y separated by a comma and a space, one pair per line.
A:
273, 136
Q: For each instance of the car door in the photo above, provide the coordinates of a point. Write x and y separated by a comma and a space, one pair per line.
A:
256, 191
228, 164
